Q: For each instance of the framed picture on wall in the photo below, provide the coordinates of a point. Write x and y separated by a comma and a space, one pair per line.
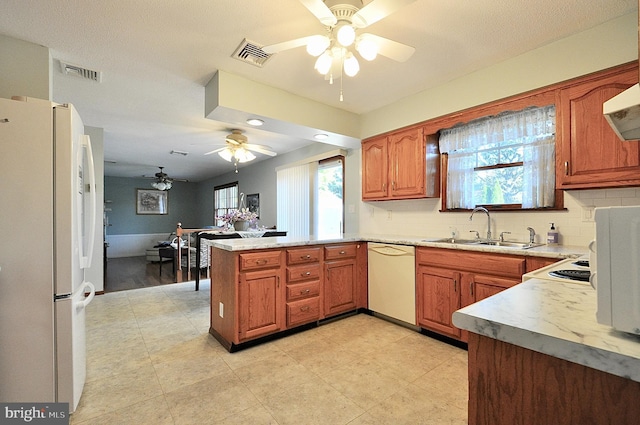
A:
253, 203
149, 201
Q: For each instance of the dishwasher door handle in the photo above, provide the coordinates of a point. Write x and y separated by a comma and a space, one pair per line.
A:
389, 251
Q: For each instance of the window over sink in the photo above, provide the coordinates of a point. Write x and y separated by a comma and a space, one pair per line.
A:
505, 161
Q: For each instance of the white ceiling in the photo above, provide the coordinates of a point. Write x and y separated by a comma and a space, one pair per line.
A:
157, 55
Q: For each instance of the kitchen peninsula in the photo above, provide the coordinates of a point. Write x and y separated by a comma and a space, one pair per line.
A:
265, 286
538, 356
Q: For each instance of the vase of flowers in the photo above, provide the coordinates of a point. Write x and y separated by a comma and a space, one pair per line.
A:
240, 219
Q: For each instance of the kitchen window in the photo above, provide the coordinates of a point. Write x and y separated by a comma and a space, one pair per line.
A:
505, 161
225, 198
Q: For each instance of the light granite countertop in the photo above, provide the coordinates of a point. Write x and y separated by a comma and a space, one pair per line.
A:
245, 244
554, 318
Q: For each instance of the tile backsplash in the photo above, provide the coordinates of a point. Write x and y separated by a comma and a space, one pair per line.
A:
422, 218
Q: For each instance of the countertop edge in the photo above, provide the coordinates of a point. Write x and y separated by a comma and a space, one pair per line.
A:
558, 251
609, 357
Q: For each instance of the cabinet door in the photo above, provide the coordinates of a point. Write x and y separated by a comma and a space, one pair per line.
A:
375, 159
340, 286
260, 303
484, 286
407, 170
535, 263
591, 153
437, 297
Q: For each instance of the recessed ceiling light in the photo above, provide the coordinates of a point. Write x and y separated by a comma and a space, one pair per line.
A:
321, 136
255, 122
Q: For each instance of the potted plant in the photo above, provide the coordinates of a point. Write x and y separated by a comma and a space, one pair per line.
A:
240, 219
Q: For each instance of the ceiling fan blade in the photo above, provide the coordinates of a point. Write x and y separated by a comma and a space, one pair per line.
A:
286, 45
260, 148
215, 151
320, 11
391, 49
377, 10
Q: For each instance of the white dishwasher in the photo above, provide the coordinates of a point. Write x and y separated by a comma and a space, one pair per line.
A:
392, 281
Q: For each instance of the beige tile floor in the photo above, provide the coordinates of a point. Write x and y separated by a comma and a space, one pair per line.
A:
151, 361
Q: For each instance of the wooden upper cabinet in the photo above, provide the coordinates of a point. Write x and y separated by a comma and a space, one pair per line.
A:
375, 158
401, 165
590, 154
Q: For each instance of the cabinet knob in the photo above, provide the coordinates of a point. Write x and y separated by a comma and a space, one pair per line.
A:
305, 257
342, 252
305, 274
304, 291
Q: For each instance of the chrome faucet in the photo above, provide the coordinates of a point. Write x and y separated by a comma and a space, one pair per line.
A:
484, 210
532, 235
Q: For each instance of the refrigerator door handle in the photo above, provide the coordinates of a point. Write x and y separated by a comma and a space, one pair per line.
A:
92, 293
87, 257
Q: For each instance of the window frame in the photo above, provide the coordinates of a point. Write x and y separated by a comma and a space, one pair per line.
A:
223, 187
538, 98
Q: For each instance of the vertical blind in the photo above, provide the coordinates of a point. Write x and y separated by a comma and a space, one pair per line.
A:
293, 195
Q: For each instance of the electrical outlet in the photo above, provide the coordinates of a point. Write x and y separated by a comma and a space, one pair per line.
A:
352, 209
389, 215
587, 213
221, 310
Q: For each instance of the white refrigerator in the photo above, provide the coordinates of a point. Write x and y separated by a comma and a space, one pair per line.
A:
47, 204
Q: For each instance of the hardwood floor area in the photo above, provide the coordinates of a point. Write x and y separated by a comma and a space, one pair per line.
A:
136, 272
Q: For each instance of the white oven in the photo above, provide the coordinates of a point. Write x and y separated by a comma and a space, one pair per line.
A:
571, 270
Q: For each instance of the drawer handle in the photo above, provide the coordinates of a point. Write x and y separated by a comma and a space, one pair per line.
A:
304, 291
342, 252
305, 308
305, 257
305, 274
262, 261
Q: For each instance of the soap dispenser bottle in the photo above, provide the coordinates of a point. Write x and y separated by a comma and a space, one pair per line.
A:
552, 235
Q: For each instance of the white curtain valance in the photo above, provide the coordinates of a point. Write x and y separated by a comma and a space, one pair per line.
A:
532, 129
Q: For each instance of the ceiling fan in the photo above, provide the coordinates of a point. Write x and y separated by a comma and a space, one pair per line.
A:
237, 150
343, 20
163, 181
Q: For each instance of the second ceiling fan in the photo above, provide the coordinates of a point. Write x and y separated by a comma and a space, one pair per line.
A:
238, 150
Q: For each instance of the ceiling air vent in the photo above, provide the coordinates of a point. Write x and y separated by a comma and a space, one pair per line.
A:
78, 71
250, 52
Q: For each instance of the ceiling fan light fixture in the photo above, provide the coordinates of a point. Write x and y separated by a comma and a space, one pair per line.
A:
323, 63
367, 48
164, 185
351, 65
318, 45
226, 154
346, 35
243, 155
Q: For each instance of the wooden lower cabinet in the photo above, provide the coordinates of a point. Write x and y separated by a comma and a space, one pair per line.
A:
511, 385
340, 286
438, 298
260, 303
264, 292
447, 280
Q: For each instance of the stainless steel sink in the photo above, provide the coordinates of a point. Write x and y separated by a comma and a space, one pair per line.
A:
497, 244
520, 245
453, 240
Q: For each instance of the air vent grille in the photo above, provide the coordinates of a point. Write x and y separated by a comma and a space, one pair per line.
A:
252, 53
81, 72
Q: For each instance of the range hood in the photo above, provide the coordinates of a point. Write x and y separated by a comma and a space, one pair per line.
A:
623, 113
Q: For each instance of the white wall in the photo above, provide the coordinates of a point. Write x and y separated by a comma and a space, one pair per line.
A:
24, 69
607, 45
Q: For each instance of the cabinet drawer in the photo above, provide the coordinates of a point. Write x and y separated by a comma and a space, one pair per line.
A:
259, 260
302, 256
302, 273
303, 290
303, 311
334, 252
495, 264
